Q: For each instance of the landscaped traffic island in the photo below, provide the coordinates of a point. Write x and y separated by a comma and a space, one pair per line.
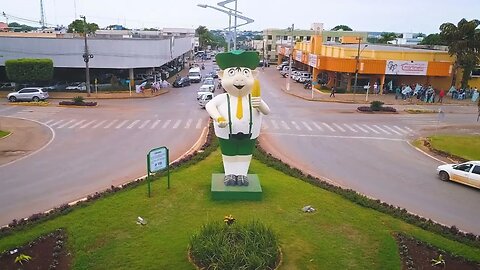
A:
345, 232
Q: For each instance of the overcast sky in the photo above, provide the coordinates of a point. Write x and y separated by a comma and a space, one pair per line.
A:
423, 16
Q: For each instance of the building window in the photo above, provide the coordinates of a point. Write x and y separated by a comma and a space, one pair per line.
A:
300, 37
329, 38
269, 37
285, 37
269, 47
337, 39
308, 38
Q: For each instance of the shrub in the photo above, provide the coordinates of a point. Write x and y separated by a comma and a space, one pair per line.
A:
376, 105
78, 99
29, 70
236, 246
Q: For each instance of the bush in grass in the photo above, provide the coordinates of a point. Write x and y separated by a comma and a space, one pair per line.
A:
78, 100
376, 105
236, 246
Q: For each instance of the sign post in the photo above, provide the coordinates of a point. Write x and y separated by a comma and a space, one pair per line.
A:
157, 160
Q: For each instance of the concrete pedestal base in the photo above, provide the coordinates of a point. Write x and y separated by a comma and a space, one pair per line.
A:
220, 192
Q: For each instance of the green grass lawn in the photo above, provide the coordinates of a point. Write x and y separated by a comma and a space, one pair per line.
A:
3, 133
339, 235
466, 147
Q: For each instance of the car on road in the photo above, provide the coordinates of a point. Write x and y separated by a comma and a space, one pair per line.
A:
467, 173
263, 63
77, 86
28, 94
181, 82
204, 99
210, 82
204, 89
213, 74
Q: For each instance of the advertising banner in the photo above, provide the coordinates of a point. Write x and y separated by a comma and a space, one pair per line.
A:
401, 67
298, 55
312, 60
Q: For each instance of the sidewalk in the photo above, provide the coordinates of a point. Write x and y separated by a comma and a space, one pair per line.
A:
297, 89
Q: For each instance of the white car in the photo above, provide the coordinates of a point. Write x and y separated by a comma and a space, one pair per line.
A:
204, 99
467, 173
28, 94
78, 86
205, 89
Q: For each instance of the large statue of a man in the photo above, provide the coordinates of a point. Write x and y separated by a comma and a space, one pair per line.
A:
238, 113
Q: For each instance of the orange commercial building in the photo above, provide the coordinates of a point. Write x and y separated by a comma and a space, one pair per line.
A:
387, 66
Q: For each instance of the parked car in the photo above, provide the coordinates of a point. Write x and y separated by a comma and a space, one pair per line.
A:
77, 86
285, 71
283, 64
57, 86
467, 173
260, 64
181, 82
204, 89
204, 99
304, 76
295, 74
7, 85
28, 94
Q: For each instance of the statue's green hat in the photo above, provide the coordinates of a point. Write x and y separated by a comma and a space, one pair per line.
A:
238, 58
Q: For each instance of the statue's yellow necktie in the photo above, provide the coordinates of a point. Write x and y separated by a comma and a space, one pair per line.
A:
239, 108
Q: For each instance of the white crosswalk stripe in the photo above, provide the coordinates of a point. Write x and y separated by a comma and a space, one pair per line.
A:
177, 124
99, 124
382, 130
275, 124
297, 127
284, 125
49, 121
155, 124
317, 126
371, 129
56, 123
199, 124
188, 124
392, 130
77, 124
133, 124
111, 124
121, 124
307, 125
165, 125
339, 127
144, 124
264, 125
409, 129
350, 128
402, 130
66, 124
328, 126
88, 124
360, 128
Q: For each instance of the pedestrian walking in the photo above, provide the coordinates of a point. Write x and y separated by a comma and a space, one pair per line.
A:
332, 93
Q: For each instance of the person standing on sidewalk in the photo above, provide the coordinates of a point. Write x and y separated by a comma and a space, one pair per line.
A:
332, 93
441, 95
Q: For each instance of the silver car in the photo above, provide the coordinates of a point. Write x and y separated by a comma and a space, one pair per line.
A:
29, 94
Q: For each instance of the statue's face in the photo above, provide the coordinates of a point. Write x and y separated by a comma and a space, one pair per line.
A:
238, 81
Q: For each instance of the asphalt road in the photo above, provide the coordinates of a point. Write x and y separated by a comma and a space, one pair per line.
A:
368, 153
94, 148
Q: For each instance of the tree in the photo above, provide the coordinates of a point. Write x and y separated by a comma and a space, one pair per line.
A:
433, 39
386, 37
78, 27
29, 70
341, 27
463, 41
20, 27
209, 38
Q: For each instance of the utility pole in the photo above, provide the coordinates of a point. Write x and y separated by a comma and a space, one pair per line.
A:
290, 59
42, 15
357, 60
235, 28
86, 57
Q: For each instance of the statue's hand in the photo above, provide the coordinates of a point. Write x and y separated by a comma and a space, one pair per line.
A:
221, 122
256, 101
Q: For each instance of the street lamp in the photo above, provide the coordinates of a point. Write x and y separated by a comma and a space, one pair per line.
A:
86, 57
229, 12
290, 59
357, 58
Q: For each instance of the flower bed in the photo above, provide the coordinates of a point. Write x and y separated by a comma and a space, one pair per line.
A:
83, 103
382, 109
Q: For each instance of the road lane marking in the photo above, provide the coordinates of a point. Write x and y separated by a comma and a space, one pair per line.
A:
284, 124
362, 129
65, 124
338, 136
382, 130
402, 130
110, 124
307, 126
264, 125
317, 126
374, 131
349, 127
121, 124
199, 123
275, 124
177, 124
339, 127
48, 122
392, 130
155, 124
99, 124
77, 124
133, 124
88, 124
328, 126
56, 123
188, 124
166, 123
297, 127
409, 129
144, 124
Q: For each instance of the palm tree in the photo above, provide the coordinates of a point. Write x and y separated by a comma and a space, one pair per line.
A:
463, 42
386, 37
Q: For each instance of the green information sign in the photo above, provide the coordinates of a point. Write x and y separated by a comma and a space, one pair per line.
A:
157, 160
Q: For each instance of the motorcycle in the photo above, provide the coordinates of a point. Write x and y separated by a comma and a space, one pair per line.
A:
307, 85
203, 66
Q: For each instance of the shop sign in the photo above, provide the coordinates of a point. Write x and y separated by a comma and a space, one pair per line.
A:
298, 55
401, 67
312, 60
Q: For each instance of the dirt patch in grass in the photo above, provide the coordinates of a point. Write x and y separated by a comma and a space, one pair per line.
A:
416, 254
46, 252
